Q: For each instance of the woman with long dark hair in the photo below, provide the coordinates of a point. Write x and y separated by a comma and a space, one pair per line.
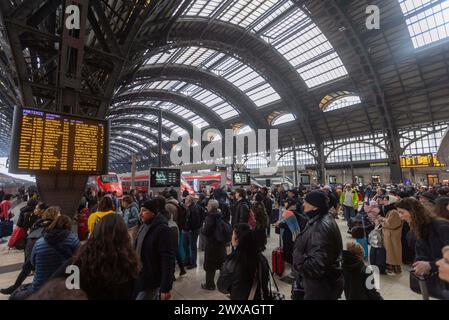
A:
261, 222
238, 273
107, 262
431, 234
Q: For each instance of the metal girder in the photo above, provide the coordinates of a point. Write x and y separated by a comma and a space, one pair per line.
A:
144, 134
142, 109
141, 121
177, 98
132, 148
252, 50
204, 79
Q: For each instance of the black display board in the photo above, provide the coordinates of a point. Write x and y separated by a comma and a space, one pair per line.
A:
241, 178
165, 178
47, 141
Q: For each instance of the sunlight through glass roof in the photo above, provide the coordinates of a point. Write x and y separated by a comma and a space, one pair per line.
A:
223, 65
427, 20
209, 98
341, 102
283, 119
285, 27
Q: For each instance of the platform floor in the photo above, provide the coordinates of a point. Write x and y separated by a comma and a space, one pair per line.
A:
188, 286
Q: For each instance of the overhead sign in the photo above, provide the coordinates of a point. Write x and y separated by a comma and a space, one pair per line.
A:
420, 161
46, 141
165, 178
379, 164
241, 178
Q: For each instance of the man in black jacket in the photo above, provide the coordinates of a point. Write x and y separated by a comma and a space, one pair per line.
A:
154, 247
318, 252
241, 207
194, 222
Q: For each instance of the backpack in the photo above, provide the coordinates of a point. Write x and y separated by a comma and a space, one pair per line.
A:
223, 231
252, 219
182, 216
195, 218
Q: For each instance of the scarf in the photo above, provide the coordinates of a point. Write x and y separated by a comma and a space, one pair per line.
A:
290, 219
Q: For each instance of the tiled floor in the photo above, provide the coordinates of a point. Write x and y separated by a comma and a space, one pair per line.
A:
188, 286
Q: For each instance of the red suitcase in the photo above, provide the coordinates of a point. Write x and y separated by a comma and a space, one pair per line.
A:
277, 260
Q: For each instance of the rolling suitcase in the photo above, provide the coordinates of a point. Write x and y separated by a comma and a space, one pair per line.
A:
277, 260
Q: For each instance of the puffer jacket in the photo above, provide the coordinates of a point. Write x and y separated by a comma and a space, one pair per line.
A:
317, 256
131, 215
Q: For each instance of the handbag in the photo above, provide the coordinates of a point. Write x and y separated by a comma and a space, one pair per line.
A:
375, 237
429, 286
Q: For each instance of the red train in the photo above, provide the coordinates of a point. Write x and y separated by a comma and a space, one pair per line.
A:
105, 183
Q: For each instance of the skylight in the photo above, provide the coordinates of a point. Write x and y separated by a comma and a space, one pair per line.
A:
242, 76
338, 100
427, 20
283, 119
287, 28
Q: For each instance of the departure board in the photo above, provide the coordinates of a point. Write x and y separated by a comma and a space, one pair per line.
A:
45, 141
420, 161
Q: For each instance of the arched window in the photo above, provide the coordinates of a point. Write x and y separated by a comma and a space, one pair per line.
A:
338, 100
284, 118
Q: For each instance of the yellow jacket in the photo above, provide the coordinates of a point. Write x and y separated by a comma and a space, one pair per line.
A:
94, 216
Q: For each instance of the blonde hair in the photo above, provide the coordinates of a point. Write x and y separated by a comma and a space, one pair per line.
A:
51, 213
356, 249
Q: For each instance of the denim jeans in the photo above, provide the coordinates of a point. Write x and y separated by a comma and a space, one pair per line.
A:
349, 212
190, 239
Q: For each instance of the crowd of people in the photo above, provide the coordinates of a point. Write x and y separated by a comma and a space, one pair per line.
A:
135, 244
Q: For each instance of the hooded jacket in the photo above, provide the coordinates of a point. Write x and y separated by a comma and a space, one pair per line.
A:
35, 233
93, 218
357, 285
131, 215
154, 246
50, 252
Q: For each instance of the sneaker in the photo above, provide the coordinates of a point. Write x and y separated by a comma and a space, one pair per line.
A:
203, 285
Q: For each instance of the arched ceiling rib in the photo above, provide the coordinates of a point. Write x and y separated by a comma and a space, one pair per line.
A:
137, 113
177, 98
139, 134
207, 79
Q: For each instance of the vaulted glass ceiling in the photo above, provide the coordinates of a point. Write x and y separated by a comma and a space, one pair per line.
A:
427, 20
286, 28
283, 119
209, 98
223, 65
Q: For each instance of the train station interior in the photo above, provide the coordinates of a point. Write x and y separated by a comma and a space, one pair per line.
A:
224, 150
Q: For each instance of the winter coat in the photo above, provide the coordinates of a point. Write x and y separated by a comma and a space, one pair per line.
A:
392, 234
214, 251
26, 217
195, 217
242, 211
131, 215
173, 208
435, 237
157, 255
233, 211
356, 275
235, 278
50, 252
317, 257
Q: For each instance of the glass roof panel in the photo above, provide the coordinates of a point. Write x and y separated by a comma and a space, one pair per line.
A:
427, 20
283, 119
228, 67
342, 102
294, 35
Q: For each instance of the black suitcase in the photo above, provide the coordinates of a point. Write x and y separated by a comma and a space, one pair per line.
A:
378, 257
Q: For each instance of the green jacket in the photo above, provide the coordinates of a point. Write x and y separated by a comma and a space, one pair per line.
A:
355, 198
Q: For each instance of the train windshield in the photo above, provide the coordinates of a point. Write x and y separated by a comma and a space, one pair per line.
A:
109, 178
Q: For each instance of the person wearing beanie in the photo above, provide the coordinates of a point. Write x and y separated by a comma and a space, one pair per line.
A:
392, 234
154, 247
317, 254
